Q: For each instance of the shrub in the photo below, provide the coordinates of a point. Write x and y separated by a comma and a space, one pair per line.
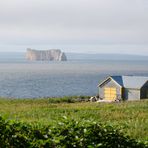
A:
71, 99
67, 133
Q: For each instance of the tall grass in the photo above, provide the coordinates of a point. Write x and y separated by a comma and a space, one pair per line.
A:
130, 117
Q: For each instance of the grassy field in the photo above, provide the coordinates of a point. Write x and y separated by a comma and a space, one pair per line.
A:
130, 117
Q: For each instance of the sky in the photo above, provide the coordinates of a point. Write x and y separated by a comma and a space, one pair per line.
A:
82, 26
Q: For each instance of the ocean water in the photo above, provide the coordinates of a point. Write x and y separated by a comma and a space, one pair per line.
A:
22, 79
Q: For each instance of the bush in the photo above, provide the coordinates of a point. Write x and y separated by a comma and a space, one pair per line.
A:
67, 133
71, 99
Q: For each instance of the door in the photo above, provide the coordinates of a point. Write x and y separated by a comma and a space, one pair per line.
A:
110, 93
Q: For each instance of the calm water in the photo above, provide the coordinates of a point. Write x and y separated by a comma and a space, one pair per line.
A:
43, 79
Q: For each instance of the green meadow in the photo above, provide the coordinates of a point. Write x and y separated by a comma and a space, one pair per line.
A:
129, 117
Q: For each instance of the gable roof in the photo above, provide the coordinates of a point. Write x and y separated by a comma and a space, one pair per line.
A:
118, 79
135, 82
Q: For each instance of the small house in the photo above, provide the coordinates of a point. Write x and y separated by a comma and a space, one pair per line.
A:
124, 87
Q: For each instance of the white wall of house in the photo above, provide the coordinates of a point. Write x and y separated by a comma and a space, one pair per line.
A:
132, 94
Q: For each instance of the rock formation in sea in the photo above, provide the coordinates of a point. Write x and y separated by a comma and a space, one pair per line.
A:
45, 55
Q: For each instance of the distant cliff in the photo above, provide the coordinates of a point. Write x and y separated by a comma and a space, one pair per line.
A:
45, 55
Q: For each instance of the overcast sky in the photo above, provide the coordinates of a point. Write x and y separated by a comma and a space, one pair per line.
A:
92, 26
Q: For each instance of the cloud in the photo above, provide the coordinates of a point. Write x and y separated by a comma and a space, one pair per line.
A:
93, 22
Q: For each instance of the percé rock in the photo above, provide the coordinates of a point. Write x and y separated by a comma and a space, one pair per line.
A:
45, 55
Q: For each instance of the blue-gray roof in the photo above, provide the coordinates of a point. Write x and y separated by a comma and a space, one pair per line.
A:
130, 81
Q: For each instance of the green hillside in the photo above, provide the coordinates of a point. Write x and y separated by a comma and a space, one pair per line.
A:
130, 118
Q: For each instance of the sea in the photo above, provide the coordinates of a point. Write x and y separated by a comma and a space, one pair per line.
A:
20, 78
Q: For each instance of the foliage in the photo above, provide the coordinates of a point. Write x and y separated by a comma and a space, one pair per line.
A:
66, 133
72, 99
130, 117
